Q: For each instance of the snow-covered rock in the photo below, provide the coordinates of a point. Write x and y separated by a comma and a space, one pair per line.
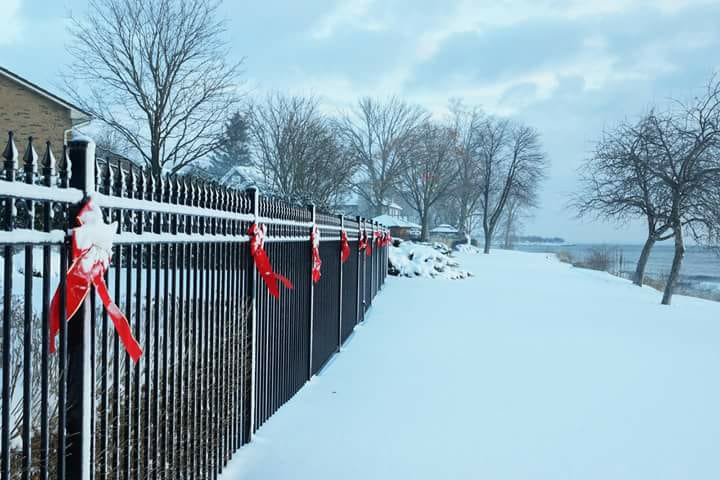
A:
410, 259
442, 248
466, 248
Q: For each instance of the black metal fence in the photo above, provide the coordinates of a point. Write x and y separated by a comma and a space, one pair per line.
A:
220, 354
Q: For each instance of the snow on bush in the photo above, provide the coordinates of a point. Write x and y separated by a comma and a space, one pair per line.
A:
410, 259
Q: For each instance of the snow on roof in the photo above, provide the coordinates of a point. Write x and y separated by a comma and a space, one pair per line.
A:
243, 176
445, 228
391, 204
391, 221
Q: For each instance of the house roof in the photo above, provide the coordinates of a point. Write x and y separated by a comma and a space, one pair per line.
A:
76, 113
114, 158
445, 228
391, 204
242, 177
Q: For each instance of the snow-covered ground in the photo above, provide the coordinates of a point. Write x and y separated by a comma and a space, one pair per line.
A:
531, 369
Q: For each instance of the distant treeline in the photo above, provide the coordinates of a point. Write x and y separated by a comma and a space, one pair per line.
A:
536, 239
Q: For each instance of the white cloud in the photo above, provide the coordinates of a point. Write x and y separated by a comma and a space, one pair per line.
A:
12, 22
473, 16
356, 14
595, 65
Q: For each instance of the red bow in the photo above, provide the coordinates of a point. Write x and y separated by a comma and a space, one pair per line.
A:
377, 235
385, 239
92, 250
262, 262
363, 243
345, 247
316, 261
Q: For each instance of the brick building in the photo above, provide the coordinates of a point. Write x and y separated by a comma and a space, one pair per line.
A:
29, 110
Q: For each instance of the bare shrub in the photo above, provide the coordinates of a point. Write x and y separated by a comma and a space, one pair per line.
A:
565, 257
599, 258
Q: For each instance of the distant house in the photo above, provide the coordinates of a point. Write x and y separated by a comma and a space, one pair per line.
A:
391, 208
351, 206
356, 204
116, 160
242, 177
445, 233
400, 228
29, 110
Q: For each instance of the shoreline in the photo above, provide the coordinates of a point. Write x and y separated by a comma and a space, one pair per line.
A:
683, 287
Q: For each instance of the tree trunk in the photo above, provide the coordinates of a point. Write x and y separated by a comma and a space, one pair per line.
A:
424, 234
155, 165
639, 277
507, 245
488, 240
676, 264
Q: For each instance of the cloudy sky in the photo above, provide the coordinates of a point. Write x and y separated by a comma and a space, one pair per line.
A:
569, 68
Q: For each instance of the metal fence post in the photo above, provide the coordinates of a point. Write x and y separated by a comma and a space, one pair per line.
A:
252, 290
340, 287
373, 259
312, 301
80, 401
360, 270
10, 164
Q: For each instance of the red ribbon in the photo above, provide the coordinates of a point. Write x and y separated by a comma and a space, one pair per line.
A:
316, 261
262, 262
377, 235
92, 250
363, 243
345, 247
385, 239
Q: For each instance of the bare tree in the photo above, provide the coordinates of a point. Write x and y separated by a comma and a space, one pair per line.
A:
381, 136
155, 71
618, 183
466, 191
511, 163
686, 145
298, 150
430, 172
111, 140
517, 209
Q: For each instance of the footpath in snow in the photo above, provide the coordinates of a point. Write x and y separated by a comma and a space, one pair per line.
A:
531, 369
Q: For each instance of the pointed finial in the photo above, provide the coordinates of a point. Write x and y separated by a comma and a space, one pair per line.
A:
150, 179
140, 181
109, 177
98, 172
48, 161
65, 168
214, 197
10, 154
30, 159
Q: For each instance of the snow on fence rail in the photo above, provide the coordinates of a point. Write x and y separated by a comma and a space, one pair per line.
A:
221, 354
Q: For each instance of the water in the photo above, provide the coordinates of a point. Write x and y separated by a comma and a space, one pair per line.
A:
700, 270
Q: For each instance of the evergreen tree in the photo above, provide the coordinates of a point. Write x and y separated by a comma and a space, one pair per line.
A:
233, 149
